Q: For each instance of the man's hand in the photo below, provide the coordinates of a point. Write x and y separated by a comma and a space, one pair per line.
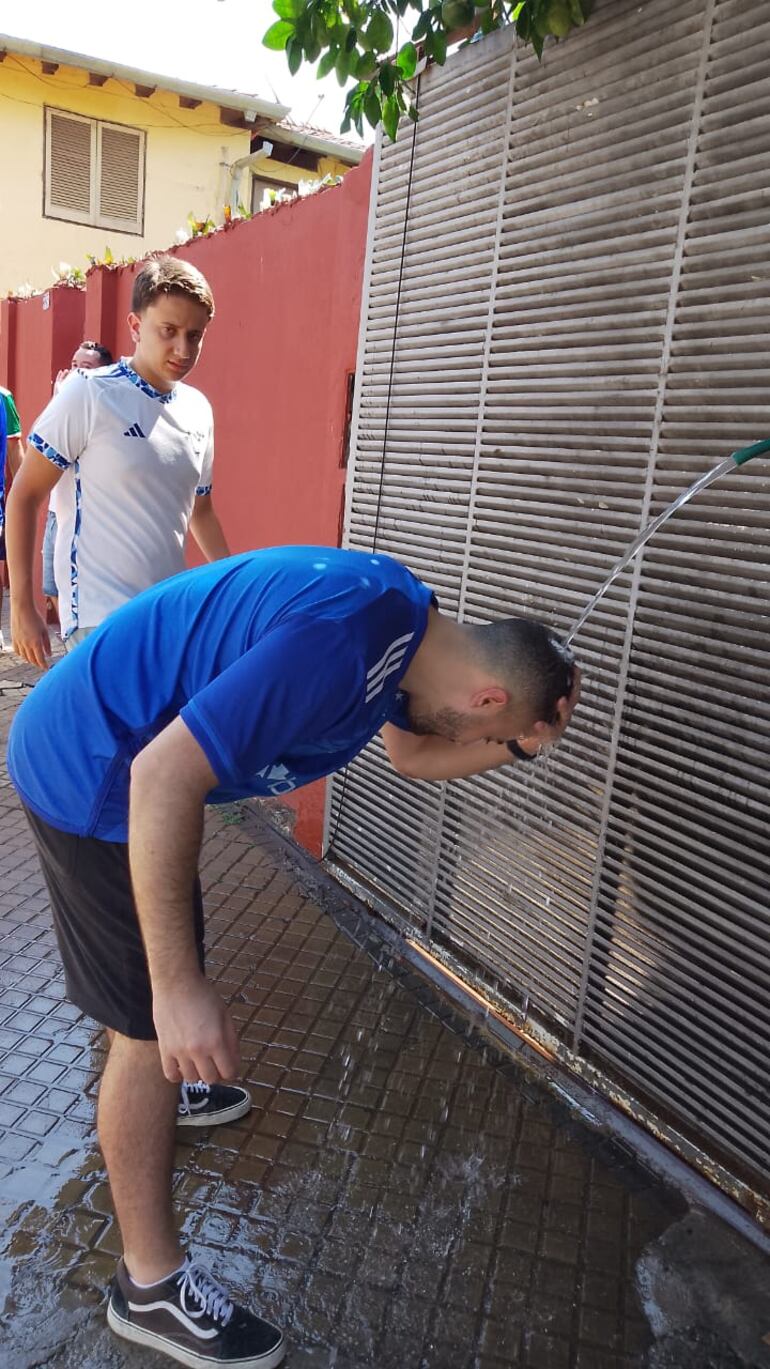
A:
29, 636
196, 1035
547, 734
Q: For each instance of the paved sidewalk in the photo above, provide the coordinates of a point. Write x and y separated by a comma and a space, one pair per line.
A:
400, 1196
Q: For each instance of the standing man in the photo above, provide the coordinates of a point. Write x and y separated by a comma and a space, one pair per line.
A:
253, 676
89, 356
129, 450
10, 460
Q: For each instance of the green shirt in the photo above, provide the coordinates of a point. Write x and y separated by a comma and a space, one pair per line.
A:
13, 422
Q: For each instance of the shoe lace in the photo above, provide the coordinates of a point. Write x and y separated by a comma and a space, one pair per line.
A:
185, 1090
195, 1282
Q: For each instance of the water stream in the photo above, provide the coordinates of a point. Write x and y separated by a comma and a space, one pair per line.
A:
730, 462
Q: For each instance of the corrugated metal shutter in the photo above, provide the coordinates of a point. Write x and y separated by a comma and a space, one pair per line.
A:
678, 992
429, 403
593, 202
69, 166
561, 370
121, 177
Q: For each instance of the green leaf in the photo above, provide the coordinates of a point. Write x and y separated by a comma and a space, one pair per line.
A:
537, 43
327, 63
342, 66
380, 32
278, 35
407, 61
372, 106
387, 78
539, 22
439, 47
422, 26
294, 55
390, 117
524, 24
287, 9
576, 12
366, 66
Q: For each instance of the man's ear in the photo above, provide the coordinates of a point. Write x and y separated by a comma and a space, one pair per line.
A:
134, 321
532, 733
493, 695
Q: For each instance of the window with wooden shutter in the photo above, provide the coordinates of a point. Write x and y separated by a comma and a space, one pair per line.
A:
69, 167
94, 172
121, 177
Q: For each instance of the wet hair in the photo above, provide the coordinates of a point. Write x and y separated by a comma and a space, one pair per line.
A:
528, 659
104, 354
170, 276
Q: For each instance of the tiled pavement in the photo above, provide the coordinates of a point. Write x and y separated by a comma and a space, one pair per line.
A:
399, 1196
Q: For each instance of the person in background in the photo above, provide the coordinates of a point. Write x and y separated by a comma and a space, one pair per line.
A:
129, 451
10, 460
87, 357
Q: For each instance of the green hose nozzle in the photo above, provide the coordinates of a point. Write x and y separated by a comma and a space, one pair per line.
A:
746, 453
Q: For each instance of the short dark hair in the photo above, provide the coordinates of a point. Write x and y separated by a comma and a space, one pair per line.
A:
170, 276
104, 354
531, 662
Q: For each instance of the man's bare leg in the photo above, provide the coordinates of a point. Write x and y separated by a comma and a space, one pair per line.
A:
138, 1147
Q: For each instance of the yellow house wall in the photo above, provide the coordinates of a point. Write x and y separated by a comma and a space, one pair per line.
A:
185, 152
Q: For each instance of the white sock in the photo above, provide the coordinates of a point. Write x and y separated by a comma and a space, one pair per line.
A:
157, 1282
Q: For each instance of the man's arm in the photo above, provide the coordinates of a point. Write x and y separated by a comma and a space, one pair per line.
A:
170, 779
437, 758
32, 486
13, 454
207, 529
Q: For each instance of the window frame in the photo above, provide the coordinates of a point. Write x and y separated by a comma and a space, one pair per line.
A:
94, 219
269, 182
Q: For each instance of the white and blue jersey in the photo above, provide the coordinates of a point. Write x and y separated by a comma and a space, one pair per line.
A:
133, 460
282, 663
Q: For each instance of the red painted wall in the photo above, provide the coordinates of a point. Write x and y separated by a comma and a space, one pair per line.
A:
37, 339
275, 366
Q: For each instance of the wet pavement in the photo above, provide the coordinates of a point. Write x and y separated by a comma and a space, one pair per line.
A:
400, 1196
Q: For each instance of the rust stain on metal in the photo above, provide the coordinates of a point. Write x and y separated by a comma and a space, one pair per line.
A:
488, 1007
441, 966
564, 1059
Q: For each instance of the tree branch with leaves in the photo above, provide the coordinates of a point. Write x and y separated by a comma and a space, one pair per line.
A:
379, 43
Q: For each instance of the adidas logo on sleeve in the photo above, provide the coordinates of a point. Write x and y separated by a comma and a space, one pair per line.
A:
133, 431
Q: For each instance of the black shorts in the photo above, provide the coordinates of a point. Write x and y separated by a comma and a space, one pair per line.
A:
94, 915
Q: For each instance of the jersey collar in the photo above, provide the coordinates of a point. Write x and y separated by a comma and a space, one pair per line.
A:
126, 369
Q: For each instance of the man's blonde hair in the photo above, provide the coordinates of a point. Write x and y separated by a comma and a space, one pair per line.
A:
170, 276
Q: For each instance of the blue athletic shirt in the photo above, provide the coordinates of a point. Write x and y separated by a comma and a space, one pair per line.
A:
283, 664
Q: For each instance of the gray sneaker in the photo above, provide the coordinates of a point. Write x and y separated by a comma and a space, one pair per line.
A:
209, 1105
190, 1318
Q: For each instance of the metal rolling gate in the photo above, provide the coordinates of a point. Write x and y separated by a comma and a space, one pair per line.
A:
565, 321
